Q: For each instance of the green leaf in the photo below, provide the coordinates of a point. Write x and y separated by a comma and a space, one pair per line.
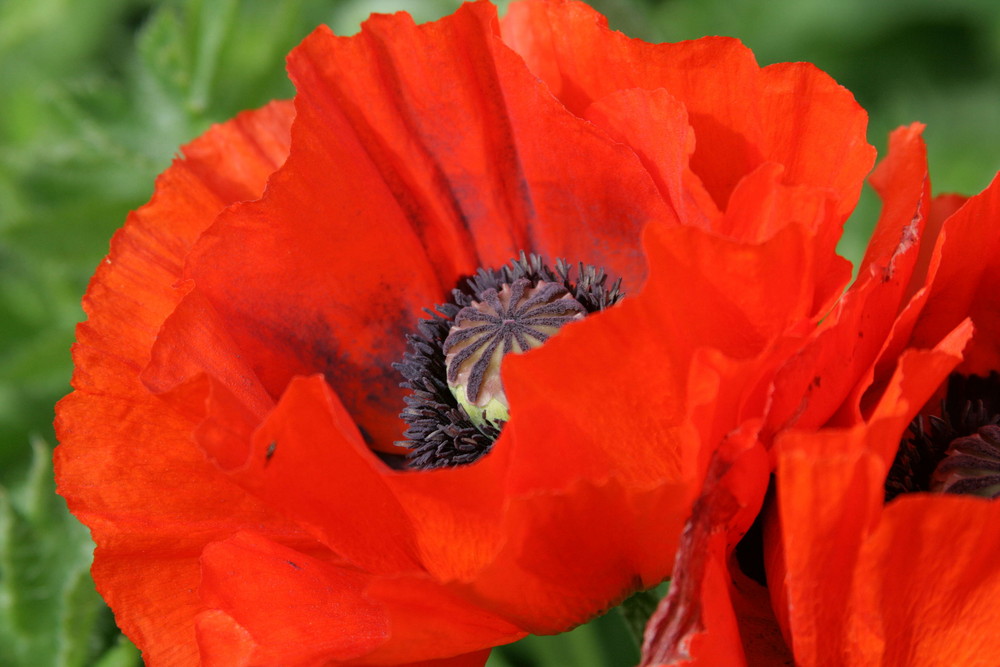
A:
122, 654
50, 614
603, 642
636, 610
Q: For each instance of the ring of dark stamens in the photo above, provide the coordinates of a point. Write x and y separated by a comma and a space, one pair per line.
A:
439, 432
971, 403
971, 465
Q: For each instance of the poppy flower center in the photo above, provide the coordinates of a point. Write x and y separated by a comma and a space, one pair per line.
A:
457, 406
958, 452
515, 319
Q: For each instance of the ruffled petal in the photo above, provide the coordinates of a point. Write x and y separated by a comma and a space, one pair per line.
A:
942, 208
131, 292
761, 205
844, 604
222, 641
716, 340
419, 154
634, 385
197, 369
426, 617
655, 126
931, 557
742, 115
192, 341
830, 494
458, 514
963, 277
571, 575
298, 610
308, 461
696, 623
126, 463
282, 606
813, 385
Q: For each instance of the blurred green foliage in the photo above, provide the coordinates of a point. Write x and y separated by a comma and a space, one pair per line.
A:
50, 613
98, 95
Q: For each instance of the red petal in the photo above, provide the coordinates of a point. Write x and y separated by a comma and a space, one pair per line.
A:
222, 641
696, 623
902, 182
126, 465
420, 153
926, 584
570, 574
713, 343
830, 495
197, 369
457, 513
299, 610
309, 461
761, 205
426, 618
811, 387
656, 126
477, 659
815, 128
964, 274
861, 601
738, 310
192, 341
295, 609
132, 291
830, 491
942, 208
742, 115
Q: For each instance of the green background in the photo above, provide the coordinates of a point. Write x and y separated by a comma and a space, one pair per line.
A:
97, 96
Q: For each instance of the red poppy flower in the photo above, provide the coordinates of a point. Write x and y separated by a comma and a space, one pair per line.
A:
863, 565
232, 440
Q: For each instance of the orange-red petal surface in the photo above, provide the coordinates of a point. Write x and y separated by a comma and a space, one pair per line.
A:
439, 152
656, 126
742, 115
963, 277
812, 387
297, 609
853, 581
237, 365
151, 499
932, 558
696, 624
667, 399
835, 553
830, 494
